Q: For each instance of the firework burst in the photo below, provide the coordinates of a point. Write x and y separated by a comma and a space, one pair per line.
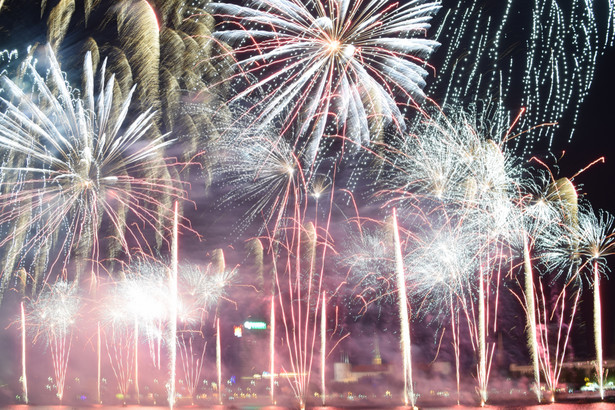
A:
456, 160
370, 260
337, 67
201, 288
262, 176
68, 165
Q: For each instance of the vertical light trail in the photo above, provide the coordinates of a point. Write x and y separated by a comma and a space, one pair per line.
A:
173, 309
403, 316
219, 360
323, 340
482, 361
137, 359
24, 379
598, 328
551, 361
531, 313
272, 348
98, 352
455, 332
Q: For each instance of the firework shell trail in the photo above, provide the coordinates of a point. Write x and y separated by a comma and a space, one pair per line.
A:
462, 182
173, 304
404, 317
24, 379
543, 202
598, 242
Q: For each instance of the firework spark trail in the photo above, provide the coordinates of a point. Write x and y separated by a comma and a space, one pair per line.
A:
455, 330
531, 314
543, 203
491, 257
136, 365
289, 316
98, 363
299, 253
219, 360
53, 316
481, 372
326, 242
550, 225
598, 329
323, 343
70, 163
119, 343
552, 366
334, 66
578, 248
550, 76
192, 364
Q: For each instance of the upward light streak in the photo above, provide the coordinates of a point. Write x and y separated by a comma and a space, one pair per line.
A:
24, 379
172, 336
598, 328
272, 349
323, 343
531, 314
219, 360
403, 317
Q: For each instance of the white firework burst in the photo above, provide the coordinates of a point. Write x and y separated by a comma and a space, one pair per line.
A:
70, 163
338, 67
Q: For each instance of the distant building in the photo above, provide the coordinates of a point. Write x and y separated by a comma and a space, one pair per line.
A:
587, 366
253, 346
344, 372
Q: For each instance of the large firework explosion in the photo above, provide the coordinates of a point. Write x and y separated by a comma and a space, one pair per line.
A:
333, 67
71, 164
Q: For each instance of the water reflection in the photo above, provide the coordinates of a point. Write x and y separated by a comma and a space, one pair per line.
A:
358, 406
